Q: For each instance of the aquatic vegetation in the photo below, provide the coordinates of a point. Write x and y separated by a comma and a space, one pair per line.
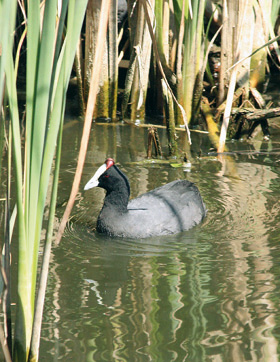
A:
154, 60
50, 48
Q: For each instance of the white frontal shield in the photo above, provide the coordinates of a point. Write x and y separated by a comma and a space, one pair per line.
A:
93, 182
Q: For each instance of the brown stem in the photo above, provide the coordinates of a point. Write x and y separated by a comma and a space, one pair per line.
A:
105, 8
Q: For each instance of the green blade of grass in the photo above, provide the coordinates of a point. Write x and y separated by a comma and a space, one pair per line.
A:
39, 122
33, 38
7, 22
65, 62
49, 65
23, 316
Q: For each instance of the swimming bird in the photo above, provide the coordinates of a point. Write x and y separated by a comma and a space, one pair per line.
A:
169, 209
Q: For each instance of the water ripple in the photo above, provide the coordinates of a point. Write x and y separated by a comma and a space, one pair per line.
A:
210, 291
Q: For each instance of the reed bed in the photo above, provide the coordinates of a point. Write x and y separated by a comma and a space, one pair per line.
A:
52, 31
165, 46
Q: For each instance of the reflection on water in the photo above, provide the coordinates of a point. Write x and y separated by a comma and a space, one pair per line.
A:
210, 294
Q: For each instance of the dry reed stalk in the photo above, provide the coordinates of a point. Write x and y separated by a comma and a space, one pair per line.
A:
105, 8
228, 45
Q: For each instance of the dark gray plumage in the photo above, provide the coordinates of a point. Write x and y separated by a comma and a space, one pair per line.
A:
169, 209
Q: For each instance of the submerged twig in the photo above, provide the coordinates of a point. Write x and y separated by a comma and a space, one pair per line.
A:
147, 125
153, 139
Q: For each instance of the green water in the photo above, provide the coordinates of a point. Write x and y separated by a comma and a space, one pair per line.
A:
210, 294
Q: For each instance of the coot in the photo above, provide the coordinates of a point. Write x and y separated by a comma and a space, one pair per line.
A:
168, 209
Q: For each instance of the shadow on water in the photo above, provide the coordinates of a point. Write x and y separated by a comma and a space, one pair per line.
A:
207, 294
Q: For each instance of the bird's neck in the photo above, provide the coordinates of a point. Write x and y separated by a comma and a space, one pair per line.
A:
117, 199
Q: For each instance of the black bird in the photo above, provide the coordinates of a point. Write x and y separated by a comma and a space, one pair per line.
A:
169, 209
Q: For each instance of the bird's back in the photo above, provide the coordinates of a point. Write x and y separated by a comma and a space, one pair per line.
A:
172, 208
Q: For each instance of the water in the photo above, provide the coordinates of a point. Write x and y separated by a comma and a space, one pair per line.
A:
210, 294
